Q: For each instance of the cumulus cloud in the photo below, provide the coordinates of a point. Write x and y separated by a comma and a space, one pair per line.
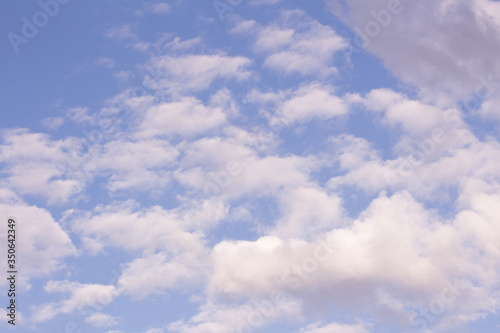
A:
133, 165
307, 211
312, 101
226, 319
41, 243
37, 165
194, 72
157, 273
185, 117
249, 227
296, 44
83, 297
120, 225
99, 319
360, 266
438, 56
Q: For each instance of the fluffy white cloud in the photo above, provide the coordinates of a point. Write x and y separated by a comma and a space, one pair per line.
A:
359, 262
309, 102
295, 45
40, 241
249, 176
99, 319
133, 164
39, 166
430, 170
84, 298
430, 240
438, 45
186, 117
124, 225
413, 116
249, 316
490, 108
189, 73
351, 152
172, 242
307, 211
156, 273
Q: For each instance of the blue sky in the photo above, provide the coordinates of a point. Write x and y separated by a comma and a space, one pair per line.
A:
252, 166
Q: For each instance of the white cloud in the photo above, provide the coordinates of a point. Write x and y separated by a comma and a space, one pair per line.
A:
392, 260
359, 261
248, 268
297, 45
234, 172
333, 328
99, 319
415, 117
309, 102
126, 35
352, 152
490, 108
154, 330
39, 166
156, 273
20, 320
41, 242
187, 116
123, 225
430, 171
133, 165
192, 73
81, 116
172, 242
439, 56
84, 298
307, 211
249, 316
